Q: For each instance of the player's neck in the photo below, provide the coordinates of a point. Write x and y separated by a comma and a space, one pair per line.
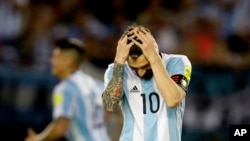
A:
68, 73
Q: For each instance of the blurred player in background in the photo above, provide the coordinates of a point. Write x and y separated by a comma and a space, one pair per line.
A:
77, 104
149, 86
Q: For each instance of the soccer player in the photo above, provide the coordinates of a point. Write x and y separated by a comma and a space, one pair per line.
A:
149, 86
77, 104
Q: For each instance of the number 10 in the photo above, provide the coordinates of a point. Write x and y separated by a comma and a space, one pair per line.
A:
150, 99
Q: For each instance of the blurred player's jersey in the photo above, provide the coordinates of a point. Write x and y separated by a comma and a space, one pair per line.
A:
146, 115
79, 99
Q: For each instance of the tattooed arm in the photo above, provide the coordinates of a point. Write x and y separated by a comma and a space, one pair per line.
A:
113, 92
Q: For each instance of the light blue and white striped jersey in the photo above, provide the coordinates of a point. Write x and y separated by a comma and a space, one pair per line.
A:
79, 99
146, 116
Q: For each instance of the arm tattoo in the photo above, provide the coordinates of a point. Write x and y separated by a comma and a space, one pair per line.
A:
112, 94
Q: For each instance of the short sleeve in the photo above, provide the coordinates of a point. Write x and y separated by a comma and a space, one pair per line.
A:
63, 101
180, 66
108, 75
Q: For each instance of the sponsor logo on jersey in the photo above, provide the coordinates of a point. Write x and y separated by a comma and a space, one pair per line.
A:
134, 90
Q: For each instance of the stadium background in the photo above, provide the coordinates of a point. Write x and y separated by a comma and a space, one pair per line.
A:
214, 34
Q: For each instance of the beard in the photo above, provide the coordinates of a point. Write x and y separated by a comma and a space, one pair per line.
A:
147, 75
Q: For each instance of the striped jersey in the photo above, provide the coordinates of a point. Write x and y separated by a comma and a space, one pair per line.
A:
146, 116
79, 99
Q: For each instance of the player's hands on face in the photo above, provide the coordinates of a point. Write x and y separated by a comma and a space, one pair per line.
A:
31, 135
148, 45
122, 51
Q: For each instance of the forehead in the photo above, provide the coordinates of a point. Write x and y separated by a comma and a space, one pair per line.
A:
138, 62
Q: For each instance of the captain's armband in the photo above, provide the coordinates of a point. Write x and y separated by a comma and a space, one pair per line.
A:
181, 81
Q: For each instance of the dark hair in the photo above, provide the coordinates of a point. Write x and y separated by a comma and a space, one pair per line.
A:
134, 50
70, 43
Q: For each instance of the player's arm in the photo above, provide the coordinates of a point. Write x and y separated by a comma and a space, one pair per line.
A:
174, 94
113, 91
55, 130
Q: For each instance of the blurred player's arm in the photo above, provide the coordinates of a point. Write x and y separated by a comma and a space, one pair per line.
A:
112, 93
57, 129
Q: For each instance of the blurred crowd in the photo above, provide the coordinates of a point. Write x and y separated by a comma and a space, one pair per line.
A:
214, 34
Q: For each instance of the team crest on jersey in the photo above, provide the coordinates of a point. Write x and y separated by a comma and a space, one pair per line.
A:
134, 90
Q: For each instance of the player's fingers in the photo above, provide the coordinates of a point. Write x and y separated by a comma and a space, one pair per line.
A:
132, 36
130, 44
137, 43
122, 39
147, 34
140, 35
124, 43
130, 33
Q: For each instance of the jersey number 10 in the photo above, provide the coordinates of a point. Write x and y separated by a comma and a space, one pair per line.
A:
154, 102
